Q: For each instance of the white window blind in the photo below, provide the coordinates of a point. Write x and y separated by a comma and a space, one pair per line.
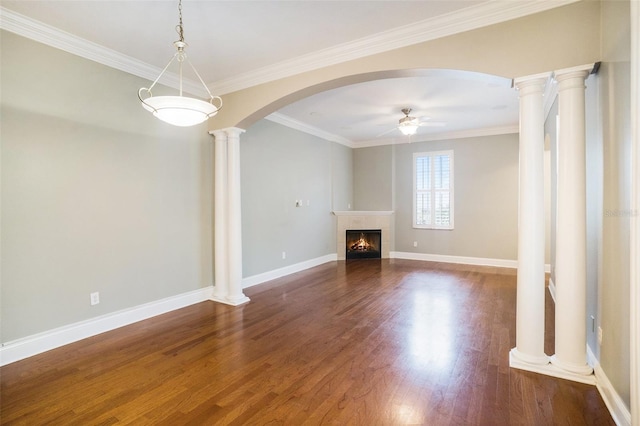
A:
433, 190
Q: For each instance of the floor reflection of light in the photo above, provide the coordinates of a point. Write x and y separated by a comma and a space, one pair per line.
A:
407, 414
432, 332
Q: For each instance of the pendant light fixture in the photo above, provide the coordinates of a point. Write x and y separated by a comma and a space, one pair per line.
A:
180, 110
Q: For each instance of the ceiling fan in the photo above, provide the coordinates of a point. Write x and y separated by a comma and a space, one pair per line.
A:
409, 125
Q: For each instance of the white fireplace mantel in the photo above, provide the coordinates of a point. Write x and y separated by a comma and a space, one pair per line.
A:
355, 219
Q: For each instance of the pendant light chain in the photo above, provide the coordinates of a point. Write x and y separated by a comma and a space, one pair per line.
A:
180, 55
179, 28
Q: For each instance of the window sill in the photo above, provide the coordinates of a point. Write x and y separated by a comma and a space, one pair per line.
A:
433, 228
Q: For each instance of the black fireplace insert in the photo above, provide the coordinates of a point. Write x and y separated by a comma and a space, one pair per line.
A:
364, 244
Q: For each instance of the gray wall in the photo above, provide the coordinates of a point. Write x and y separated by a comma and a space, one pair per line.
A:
342, 177
608, 181
594, 181
97, 195
614, 286
486, 195
279, 166
373, 178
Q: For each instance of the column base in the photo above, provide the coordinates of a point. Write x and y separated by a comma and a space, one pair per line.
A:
552, 370
232, 302
217, 297
580, 369
517, 357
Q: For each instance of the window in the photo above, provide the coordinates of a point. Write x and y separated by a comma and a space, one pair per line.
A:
433, 190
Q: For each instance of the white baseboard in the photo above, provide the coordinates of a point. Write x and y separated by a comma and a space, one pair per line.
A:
38, 343
33, 345
287, 270
617, 408
501, 263
480, 261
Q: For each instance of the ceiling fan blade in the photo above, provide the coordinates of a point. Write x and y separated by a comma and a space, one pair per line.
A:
432, 124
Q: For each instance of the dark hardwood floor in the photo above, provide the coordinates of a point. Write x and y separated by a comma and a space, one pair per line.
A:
364, 342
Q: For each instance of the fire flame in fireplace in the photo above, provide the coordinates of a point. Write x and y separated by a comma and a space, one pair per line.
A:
362, 244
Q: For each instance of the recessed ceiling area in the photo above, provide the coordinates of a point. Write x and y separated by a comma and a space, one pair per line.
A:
460, 101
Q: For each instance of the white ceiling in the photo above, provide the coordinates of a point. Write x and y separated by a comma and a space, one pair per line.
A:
368, 112
229, 40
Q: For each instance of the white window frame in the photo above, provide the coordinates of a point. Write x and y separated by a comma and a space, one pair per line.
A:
432, 190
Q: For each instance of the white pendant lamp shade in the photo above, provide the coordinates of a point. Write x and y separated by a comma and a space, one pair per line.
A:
180, 110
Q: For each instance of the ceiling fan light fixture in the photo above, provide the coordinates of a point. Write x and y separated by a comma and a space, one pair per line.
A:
180, 110
408, 125
408, 128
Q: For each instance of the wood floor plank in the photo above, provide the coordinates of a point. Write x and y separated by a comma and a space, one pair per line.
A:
368, 342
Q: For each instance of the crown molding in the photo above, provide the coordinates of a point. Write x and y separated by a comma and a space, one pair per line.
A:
473, 133
485, 14
303, 127
489, 13
54, 37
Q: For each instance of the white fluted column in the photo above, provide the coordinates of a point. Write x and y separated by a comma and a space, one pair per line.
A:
234, 218
228, 218
529, 351
570, 271
221, 275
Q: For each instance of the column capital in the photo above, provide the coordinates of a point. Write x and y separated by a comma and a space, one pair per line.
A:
227, 131
234, 131
532, 80
218, 135
581, 71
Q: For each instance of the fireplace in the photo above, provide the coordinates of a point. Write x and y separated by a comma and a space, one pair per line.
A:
364, 220
363, 244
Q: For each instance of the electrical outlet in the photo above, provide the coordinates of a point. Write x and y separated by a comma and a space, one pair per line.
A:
95, 298
298, 203
600, 336
415, 244
349, 206
284, 254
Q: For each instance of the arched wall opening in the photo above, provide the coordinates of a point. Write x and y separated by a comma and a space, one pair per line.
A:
556, 39
330, 85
